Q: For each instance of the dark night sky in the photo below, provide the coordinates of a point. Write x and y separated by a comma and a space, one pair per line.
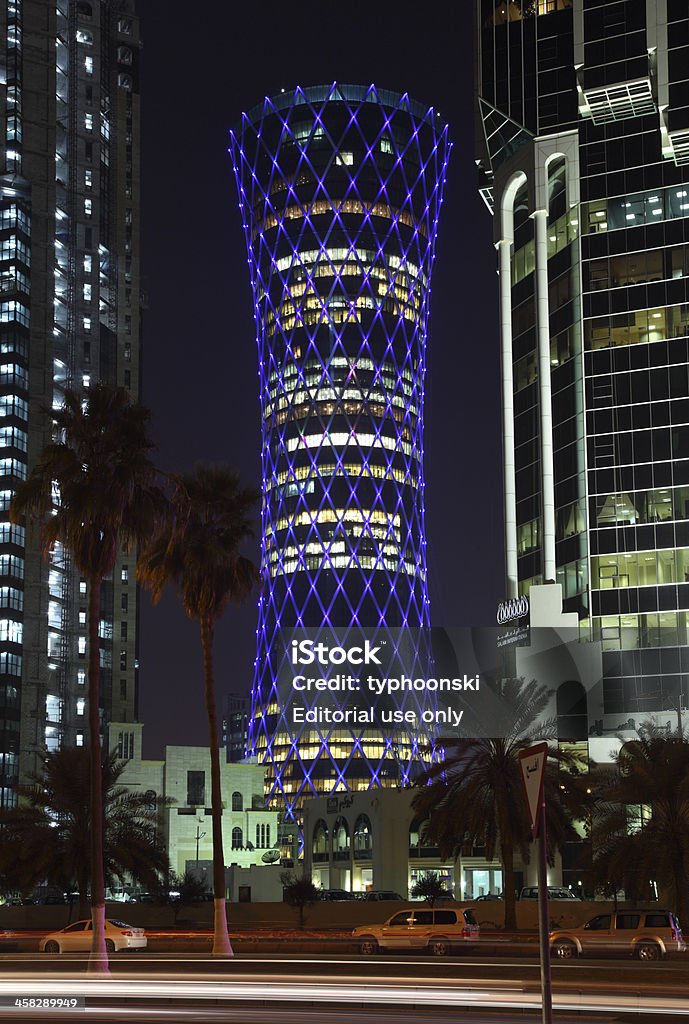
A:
201, 69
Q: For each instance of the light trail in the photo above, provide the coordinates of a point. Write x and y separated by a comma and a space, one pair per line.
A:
352, 959
353, 991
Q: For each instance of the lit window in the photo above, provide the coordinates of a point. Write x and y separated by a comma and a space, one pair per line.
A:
88, 207
82, 586
88, 264
86, 323
81, 704
346, 159
124, 575
88, 122
14, 37
11, 631
86, 380
81, 645
84, 37
88, 65
88, 178
82, 618
81, 676
87, 293
80, 739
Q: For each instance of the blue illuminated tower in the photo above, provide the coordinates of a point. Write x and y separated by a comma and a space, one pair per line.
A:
340, 189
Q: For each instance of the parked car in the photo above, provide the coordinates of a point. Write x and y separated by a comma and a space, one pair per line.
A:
555, 892
439, 930
646, 934
336, 894
381, 894
489, 896
76, 938
52, 899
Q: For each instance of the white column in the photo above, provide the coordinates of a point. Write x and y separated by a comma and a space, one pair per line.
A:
504, 247
540, 218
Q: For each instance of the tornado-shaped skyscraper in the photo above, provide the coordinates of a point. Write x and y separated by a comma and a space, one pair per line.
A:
340, 188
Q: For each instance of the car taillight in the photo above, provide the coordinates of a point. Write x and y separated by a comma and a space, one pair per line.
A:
128, 932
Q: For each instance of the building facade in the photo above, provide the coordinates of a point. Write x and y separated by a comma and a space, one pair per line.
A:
340, 189
582, 131
373, 841
250, 830
69, 315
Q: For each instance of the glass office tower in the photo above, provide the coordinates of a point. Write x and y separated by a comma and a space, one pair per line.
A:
583, 146
340, 189
69, 315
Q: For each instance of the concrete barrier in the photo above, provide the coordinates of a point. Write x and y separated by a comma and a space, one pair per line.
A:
326, 915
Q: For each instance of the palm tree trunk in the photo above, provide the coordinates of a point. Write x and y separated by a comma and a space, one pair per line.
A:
221, 938
98, 960
82, 885
506, 841
507, 854
679, 879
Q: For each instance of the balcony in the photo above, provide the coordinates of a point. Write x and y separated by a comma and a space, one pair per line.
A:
617, 102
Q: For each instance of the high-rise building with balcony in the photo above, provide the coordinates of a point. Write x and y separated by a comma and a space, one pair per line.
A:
583, 146
340, 189
235, 726
69, 315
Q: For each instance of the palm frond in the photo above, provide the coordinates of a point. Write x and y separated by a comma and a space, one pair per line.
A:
197, 545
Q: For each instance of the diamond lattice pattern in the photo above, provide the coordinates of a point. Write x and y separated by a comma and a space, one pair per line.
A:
340, 189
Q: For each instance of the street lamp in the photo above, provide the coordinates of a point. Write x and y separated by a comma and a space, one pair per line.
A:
199, 837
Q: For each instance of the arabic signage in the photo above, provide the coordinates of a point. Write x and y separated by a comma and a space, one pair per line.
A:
512, 610
511, 615
532, 763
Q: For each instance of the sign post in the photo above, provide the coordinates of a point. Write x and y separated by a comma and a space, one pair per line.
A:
532, 761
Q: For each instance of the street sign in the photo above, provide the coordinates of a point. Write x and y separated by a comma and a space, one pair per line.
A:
532, 763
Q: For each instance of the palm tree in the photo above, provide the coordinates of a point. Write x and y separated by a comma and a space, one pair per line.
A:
640, 822
106, 496
197, 549
300, 892
474, 797
46, 838
429, 887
